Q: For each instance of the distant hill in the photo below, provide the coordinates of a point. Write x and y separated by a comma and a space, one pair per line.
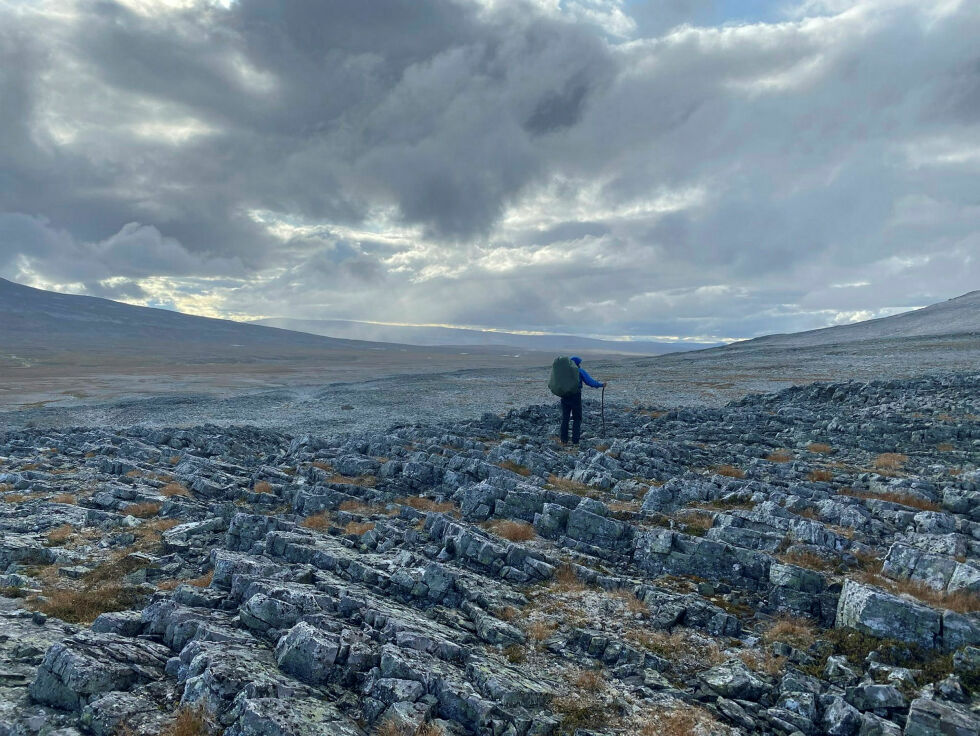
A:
959, 316
43, 328
461, 337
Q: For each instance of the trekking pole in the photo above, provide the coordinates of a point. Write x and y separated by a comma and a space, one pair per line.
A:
602, 409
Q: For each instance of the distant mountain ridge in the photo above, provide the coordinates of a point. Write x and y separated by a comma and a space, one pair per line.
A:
462, 337
45, 327
957, 316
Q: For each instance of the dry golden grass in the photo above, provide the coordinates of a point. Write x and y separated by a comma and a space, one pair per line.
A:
630, 602
729, 470
143, 510
622, 509
820, 448
358, 528
820, 475
694, 521
847, 532
515, 468
571, 486
581, 705
962, 601
811, 514
681, 720
320, 522
890, 461
538, 631
148, 534
589, 681
364, 481
797, 632
174, 489
202, 582
945, 447
359, 507
262, 486
763, 661
427, 504
807, 559
389, 727
191, 721
566, 579
515, 653
66, 498
324, 466
779, 456
904, 499
174, 459
60, 535
85, 605
14, 498
869, 563
156, 526
700, 651
515, 531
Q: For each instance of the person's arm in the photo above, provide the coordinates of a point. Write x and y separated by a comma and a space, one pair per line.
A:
589, 380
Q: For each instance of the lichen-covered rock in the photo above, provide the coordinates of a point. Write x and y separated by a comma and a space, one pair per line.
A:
290, 717
88, 664
114, 712
879, 613
734, 680
932, 718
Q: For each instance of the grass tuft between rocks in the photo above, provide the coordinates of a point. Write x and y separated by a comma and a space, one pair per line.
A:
514, 531
191, 721
85, 605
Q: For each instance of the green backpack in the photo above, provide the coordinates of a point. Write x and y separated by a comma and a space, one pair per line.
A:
564, 379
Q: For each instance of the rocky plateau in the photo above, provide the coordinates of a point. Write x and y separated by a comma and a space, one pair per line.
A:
801, 562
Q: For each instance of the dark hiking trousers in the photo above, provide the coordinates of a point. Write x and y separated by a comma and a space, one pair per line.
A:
571, 405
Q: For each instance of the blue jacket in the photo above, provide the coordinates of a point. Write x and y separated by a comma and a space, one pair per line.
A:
584, 376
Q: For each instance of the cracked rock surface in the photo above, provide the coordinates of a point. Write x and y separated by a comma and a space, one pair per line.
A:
805, 562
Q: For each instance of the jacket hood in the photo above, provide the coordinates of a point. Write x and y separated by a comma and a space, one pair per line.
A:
576, 360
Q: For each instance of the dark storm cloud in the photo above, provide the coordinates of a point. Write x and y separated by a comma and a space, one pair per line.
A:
505, 164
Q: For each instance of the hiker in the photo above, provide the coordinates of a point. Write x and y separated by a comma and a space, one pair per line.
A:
566, 382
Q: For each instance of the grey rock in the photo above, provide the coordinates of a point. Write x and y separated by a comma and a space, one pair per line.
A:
290, 717
734, 680
88, 664
932, 718
840, 718
876, 612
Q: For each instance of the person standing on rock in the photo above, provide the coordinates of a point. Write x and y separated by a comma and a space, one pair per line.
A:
567, 377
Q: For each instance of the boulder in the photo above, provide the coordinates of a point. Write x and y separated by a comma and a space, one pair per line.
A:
89, 664
932, 718
879, 613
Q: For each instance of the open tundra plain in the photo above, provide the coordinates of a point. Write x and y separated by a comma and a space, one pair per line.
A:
801, 562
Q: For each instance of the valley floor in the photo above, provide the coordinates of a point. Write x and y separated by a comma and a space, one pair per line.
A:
376, 395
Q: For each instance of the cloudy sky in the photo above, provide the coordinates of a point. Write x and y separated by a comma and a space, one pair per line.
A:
648, 168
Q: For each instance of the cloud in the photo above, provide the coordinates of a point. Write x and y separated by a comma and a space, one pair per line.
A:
593, 166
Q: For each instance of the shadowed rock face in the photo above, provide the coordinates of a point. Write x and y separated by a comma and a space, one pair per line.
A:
797, 562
